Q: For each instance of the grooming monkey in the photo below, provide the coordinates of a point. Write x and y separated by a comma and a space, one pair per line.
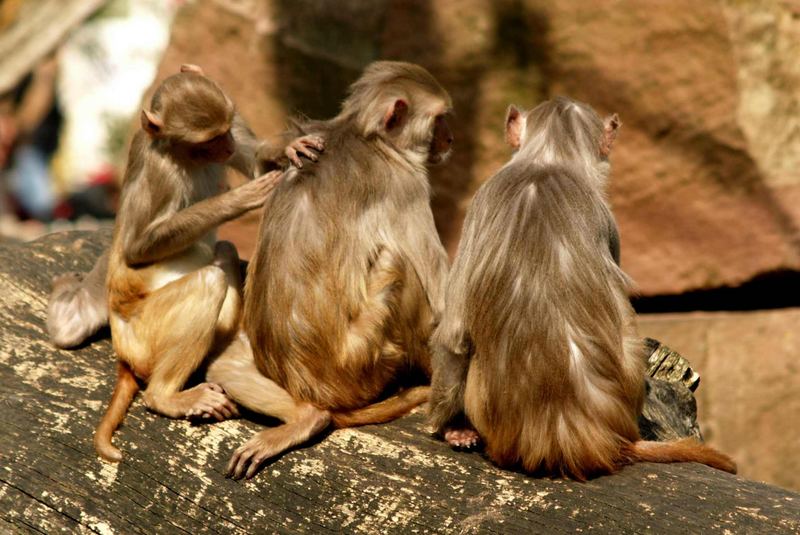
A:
78, 308
536, 352
174, 293
348, 277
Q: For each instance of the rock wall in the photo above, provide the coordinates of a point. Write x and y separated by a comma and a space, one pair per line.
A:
705, 187
749, 395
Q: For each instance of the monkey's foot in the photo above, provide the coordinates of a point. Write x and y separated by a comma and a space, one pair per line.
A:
208, 401
303, 145
462, 438
249, 457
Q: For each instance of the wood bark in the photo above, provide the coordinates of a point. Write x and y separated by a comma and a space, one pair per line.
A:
394, 478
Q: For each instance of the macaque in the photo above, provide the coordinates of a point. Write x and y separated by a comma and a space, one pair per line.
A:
536, 354
77, 308
348, 277
173, 291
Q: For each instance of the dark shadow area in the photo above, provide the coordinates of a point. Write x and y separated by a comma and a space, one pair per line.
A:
320, 48
779, 289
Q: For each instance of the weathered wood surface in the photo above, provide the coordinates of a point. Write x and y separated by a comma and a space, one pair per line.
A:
376, 479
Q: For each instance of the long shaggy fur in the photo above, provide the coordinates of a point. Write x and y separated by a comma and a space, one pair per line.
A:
537, 346
342, 290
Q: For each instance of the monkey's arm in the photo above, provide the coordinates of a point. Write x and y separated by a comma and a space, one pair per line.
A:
271, 155
450, 366
244, 159
147, 241
428, 258
280, 152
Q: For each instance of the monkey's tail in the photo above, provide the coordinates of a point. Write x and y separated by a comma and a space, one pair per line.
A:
684, 450
121, 399
384, 411
73, 315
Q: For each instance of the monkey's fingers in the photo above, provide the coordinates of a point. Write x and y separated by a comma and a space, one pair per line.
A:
318, 142
291, 153
314, 142
307, 152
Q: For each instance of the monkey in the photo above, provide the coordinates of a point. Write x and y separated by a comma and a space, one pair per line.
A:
536, 354
77, 307
173, 291
347, 280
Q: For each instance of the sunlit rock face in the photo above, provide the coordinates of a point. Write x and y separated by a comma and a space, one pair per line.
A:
706, 185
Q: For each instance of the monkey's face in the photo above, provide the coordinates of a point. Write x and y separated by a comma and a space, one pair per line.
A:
441, 141
218, 149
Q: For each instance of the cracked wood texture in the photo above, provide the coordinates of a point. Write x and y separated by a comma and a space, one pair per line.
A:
375, 479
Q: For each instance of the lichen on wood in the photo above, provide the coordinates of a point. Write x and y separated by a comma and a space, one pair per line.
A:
376, 479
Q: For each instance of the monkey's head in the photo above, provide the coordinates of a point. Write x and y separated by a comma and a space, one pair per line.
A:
191, 115
562, 131
404, 105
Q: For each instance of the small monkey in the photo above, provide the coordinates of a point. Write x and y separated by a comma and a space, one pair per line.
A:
173, 291
536, 353
77, 308
348, 276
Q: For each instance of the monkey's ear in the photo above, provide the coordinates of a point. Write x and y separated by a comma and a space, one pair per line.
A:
611, 126
513, 127
152, 123
396, 115
191, 67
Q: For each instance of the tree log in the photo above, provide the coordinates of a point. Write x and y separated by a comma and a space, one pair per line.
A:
375, 479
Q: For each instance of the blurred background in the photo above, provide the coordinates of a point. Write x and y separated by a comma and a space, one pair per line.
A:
706, 180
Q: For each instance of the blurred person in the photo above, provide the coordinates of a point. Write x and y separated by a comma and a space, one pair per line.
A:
30, 122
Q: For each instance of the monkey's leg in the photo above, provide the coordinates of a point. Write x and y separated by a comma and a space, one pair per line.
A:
227, 258
236, 371
178, 324
446, 410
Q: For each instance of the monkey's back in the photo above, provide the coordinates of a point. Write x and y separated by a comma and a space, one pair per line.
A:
308, 284
549, 386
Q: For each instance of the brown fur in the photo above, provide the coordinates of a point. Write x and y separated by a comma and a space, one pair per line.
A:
78, 306
173, 293
537, 348
348, 277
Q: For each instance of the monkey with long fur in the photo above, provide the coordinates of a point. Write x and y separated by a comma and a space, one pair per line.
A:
536, 353
348, 277
174, 292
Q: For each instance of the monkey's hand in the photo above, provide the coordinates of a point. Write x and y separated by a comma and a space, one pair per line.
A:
466, 439
253, 194
304, 145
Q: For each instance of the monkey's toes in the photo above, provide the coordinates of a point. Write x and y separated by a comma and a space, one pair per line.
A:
462, 438
246, 461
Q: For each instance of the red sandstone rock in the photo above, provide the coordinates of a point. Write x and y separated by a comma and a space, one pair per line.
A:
706, 185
